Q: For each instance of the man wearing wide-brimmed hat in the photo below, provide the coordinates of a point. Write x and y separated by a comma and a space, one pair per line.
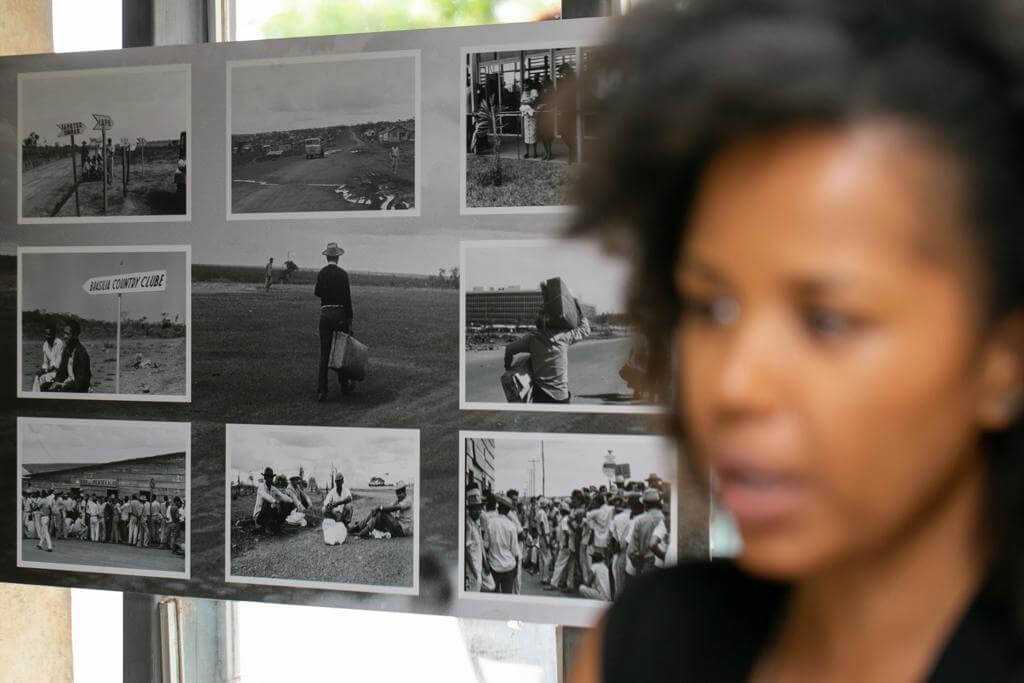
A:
335, 314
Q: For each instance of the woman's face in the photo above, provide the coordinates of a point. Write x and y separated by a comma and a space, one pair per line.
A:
834, 367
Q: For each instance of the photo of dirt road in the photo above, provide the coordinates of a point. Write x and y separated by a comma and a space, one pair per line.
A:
327, 506
104, 143
348, 146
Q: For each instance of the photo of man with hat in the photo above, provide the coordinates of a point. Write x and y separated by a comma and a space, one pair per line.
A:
338, 502
272, 505
395, 519
336, 313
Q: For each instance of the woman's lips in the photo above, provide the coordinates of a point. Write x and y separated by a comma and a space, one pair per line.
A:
757, 495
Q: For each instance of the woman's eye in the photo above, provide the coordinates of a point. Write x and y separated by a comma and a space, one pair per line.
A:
828, 323
720, 310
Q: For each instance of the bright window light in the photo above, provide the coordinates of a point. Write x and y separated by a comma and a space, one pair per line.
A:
97, 634
82, 26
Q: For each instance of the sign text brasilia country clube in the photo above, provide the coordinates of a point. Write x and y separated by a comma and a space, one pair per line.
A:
127, 283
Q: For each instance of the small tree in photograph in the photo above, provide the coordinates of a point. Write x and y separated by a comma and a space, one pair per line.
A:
486, 126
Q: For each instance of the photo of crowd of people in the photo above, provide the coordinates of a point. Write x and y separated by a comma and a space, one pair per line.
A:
104, 496
323, 507
104, 323
533, 529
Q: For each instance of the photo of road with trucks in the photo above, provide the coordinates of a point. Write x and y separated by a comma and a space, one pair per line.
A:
104, 144
348, 146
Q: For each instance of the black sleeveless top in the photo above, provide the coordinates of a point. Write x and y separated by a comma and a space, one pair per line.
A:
708, 622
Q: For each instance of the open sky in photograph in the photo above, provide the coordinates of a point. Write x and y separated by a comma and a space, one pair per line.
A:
53, 282
277, 97
359, 453
593, 277
149, 104
99, 441
572, 463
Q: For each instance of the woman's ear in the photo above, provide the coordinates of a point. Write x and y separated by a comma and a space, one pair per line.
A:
1002, 390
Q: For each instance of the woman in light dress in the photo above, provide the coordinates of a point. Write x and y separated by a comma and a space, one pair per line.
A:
529, 113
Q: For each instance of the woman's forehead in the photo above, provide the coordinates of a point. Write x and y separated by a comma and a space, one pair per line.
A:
875, 189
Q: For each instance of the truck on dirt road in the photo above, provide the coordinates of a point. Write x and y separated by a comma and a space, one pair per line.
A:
314, 148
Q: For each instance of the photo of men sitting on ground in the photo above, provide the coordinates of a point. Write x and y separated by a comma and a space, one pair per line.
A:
323, 507
564, 516
544, 328
104, 496
104, 323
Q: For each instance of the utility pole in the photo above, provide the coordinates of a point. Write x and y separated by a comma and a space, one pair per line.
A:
543, 472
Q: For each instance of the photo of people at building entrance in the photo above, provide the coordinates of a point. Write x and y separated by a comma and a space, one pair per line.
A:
323, 507
104, 496
564, 516
544, 328
524, 130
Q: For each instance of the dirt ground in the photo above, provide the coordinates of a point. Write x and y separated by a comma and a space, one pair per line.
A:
355, 176
113, 555
47, 190
301, 554
165, 378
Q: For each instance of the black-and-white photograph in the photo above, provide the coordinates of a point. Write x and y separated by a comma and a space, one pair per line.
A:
110, 323
103, 145
315, 136
104, 496
544, 327
525, 129
557, 516
323, 507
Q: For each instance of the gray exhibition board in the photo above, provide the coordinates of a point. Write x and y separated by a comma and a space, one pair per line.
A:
402, 224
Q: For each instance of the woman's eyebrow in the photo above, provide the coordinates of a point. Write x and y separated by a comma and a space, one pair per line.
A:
692, 266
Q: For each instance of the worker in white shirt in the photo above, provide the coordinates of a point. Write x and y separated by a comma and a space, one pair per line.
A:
44, 509
599, 587
272, 505
53, 347
147, 511
566, 547
503, 547
338, 502
95, 514
543, 541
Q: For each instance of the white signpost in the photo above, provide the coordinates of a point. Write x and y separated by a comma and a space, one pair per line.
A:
73, 128
125, 283
104, 123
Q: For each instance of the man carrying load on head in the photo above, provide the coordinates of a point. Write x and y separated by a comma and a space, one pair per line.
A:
335, 314
549, 355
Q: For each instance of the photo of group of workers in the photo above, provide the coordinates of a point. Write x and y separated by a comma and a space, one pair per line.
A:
104, 496
323, 507
532, 527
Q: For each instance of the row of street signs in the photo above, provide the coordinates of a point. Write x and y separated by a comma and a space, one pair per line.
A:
104, 122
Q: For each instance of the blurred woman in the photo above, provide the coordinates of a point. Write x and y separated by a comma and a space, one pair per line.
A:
824, 202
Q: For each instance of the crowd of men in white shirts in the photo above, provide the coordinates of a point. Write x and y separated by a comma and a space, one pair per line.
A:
588, 544
141, 519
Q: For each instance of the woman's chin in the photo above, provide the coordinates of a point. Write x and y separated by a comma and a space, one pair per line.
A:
780, 560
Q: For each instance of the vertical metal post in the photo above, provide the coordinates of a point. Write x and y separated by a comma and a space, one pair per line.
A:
74, 174
117, 355
103, 156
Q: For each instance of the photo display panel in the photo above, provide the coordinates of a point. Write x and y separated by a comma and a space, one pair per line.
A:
294, 321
